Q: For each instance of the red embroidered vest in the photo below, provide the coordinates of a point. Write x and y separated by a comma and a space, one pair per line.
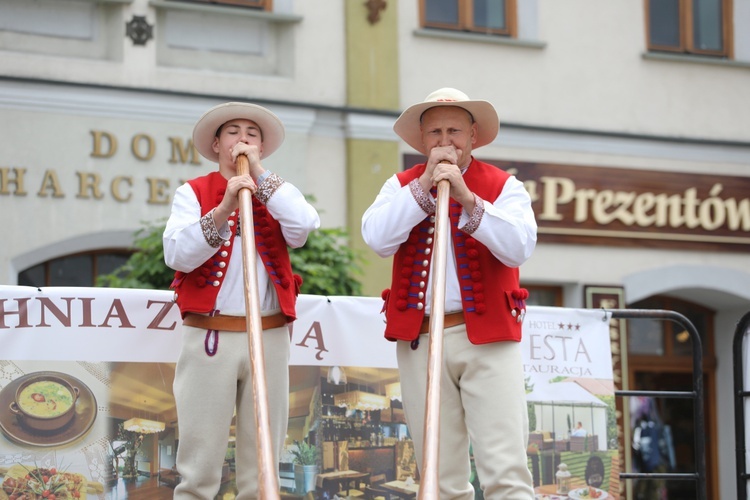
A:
493, 303
197, 290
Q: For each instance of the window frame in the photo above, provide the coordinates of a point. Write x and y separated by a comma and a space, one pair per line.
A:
687, 40
94, 256
466, 19
555, 291
266, 5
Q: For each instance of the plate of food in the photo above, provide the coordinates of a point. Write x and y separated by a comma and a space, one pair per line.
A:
33, 482
46, 408
587, 493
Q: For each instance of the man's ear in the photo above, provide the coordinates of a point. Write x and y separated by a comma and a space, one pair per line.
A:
474, 133
215, 145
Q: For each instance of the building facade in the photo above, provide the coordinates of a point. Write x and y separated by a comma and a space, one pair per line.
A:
628, 121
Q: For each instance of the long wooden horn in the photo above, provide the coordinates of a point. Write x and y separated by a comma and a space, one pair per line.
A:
429, 487
268, 483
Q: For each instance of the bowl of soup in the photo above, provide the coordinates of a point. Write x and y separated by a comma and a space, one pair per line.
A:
45, 403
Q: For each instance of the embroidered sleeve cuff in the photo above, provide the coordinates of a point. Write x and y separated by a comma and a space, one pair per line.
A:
476, 216
262, 177
268, 187
210, 232
423, 199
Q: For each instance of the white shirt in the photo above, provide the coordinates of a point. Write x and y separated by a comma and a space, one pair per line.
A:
185, 247
508, 229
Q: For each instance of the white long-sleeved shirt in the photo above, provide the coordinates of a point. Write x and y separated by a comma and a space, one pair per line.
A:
508, 229
185, 247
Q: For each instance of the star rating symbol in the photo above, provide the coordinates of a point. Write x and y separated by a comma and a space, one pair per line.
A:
569, 326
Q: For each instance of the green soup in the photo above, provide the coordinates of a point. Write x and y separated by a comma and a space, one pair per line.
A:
45, 399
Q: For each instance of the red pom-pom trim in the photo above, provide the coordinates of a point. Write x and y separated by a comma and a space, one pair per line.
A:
401, 305
474, 265
201, 281
405, 272
385, 293
285, 282
476, 276
480, 308
410, 250
471, 242
478, 297
478, 287
408, 261
403, 294
473, 254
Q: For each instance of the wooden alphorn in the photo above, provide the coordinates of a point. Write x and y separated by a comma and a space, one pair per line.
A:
268, 482
429, 487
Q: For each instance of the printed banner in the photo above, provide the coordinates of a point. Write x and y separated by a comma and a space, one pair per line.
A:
116, 350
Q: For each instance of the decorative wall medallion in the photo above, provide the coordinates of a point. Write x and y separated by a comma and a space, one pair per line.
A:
138, 30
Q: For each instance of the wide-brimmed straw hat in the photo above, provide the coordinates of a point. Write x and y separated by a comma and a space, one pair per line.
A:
408, 124
204, 132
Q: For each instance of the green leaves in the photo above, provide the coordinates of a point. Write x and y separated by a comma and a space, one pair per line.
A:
305, 454
327, 265
145, 268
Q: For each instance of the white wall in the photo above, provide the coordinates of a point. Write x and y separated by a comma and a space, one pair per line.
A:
292, 56
47, 129
590, 75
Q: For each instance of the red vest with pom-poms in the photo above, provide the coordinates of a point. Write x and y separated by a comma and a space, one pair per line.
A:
492, 300
197, 290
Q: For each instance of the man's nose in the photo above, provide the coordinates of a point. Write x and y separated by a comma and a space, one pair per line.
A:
445, 140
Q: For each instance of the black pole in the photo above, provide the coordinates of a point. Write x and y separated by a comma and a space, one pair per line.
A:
743, 327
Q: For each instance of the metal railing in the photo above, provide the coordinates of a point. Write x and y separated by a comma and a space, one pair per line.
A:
699, 476
743, 328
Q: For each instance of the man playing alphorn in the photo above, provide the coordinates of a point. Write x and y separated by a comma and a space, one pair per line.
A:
202, 244
493, 231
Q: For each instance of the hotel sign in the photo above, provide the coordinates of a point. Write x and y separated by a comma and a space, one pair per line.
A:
630, 207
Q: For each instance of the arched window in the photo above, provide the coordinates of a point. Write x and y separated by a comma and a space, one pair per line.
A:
73, 270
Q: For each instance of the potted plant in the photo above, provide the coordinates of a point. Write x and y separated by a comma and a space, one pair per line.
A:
305, 467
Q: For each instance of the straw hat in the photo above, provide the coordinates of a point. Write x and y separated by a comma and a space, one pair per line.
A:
204, 132
408, 124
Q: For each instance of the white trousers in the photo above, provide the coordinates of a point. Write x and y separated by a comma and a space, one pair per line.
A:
482, 403
207, 389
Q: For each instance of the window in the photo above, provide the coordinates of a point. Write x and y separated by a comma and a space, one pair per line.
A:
689, 26
496, 17
256, 4
544, 295
72, 270
651, 337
